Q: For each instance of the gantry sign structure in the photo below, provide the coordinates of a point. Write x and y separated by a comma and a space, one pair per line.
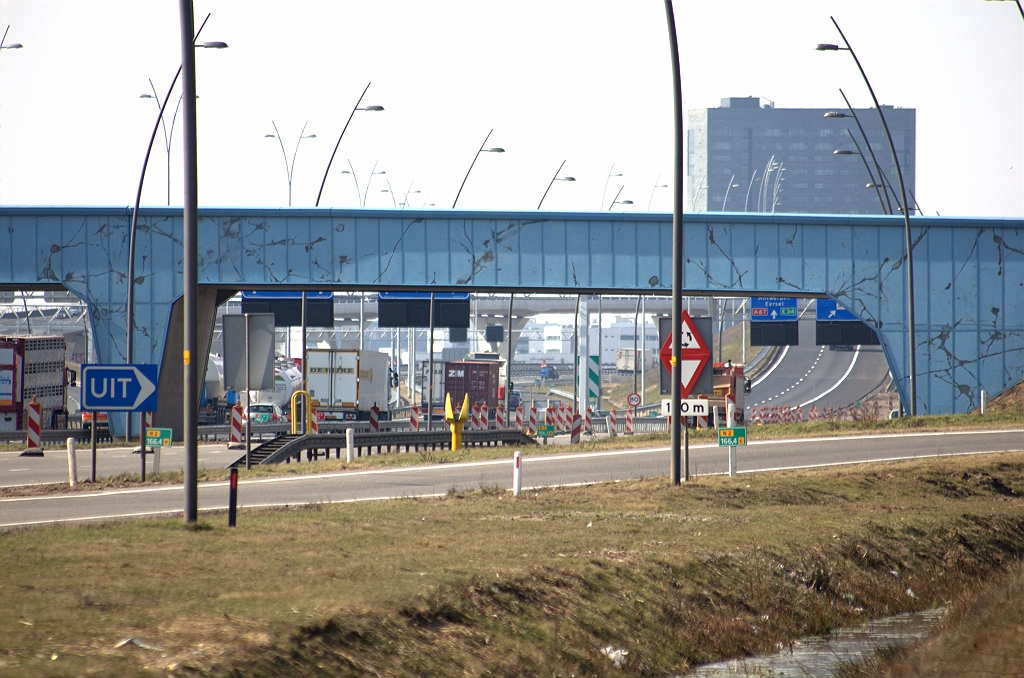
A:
969, 292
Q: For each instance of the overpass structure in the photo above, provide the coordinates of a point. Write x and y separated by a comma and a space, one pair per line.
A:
969, 287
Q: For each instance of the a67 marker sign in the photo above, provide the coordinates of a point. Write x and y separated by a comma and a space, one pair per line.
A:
694, 355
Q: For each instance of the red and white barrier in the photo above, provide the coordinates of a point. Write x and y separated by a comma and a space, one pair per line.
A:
577, 425
414, 418
499, 416
375, 418
702, 422
588, 421
236, 439
34, 439
613, 424
532, 424
485, 419
519, 418
314, 421
629, 420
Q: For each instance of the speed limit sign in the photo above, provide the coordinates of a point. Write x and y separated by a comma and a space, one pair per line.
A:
633, 399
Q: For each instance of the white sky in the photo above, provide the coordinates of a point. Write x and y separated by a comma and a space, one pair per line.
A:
584, 81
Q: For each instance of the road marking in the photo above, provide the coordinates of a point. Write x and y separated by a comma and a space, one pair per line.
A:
774, 367
853, 362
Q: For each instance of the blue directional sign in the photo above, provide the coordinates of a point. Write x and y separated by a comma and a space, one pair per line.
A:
773, 309
287, 294
119, 388
829, 310
438, 296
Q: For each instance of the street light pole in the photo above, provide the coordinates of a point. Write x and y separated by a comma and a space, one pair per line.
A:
289, 170
481, 150
338, 143
133, 229
610, 175
190, 242
656, 187
677, 250
912, 377
553, 180
867, 168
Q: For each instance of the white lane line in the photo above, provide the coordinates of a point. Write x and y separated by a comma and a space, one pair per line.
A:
774, 367
838, 383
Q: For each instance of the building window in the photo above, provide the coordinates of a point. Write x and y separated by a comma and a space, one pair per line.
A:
797, 132
823, 146
721, 132
721, 158
773, 132
824, 132
823, 172
798, 146
721, 146
798, 158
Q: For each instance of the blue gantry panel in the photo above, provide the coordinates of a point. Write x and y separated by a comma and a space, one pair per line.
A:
969, 273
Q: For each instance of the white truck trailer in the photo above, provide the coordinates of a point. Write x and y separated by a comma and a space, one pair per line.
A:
344, 385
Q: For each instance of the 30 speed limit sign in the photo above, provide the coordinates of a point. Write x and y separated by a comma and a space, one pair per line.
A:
633, 399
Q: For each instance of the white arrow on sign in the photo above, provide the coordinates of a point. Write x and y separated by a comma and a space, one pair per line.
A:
775, 314
146, 387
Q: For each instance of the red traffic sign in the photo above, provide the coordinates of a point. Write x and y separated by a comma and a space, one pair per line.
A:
694, 355
543, 363
633, 399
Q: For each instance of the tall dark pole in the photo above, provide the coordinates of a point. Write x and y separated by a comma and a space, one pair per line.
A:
430, 369
130, 305
190, 241
912, 377
338, 143
677, 243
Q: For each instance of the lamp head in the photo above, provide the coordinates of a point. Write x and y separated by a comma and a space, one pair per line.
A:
214, 45
13, 45
836, 114
370, 108
567, 178
826, 47
494, 150
843, 151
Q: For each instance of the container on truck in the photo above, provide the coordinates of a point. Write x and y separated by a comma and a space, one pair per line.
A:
477, 378
32, 367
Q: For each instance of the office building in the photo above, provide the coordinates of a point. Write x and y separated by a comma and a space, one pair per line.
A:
749, 157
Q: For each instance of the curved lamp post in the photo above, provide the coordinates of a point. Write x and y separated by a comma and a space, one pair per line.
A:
481, 150
864, 136
651, 199
130, 303
727, 189
352, 170
610, 175
615, 201
13, 45
168, 135
289, 170
551, 183
867, 168
824, 47
338, 143
366, 193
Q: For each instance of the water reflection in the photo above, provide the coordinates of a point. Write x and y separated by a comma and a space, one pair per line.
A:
821, 655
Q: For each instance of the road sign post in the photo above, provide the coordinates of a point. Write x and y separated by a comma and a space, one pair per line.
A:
731, 438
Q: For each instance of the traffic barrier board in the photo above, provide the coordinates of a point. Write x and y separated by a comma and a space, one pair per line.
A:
731, 437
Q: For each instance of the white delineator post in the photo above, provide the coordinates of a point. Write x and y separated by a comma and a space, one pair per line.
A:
350, 443
517, 473
72, 463
732, 461
984, 397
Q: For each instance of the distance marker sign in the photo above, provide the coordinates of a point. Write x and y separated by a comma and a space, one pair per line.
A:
731, 437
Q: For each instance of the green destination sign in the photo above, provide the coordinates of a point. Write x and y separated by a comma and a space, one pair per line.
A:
158, 437
730, 437
545, 430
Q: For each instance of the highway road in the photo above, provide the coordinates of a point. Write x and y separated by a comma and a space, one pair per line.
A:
52, 467
434, 480
809, 375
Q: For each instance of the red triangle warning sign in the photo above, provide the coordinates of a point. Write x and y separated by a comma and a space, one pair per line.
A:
694, 355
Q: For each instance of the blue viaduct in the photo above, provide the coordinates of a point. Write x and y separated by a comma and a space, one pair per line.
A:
969, 272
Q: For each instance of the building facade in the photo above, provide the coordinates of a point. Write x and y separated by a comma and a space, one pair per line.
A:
749, 157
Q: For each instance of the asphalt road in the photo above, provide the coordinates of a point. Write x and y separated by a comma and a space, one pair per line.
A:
568, 469
52, 467
808, 375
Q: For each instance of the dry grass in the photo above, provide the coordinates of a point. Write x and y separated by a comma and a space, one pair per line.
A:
983, 635
484, 584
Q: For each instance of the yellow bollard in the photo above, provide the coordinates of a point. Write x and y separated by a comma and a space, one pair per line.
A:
456, 423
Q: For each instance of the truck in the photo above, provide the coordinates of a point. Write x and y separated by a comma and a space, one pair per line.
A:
32, 367
344, 385
728, 380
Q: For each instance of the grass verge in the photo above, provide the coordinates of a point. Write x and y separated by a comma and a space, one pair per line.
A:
484, 584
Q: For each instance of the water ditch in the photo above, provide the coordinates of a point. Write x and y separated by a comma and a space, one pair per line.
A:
822, 655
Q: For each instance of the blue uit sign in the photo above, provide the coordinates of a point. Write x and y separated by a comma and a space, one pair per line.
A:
773, 309
288, 294
828, 310
119, 388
